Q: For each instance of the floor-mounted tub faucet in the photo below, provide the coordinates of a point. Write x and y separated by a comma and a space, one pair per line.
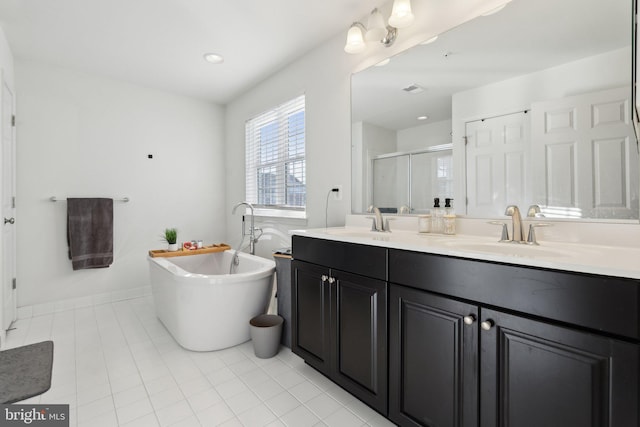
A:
252, 229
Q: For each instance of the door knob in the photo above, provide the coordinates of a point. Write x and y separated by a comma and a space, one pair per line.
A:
468, 320
10, 220
487, 324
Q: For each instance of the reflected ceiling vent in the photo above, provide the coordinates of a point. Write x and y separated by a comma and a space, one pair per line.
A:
413, 88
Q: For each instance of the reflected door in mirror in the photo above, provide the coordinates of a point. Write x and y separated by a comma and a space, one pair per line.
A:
497, 152
584, 156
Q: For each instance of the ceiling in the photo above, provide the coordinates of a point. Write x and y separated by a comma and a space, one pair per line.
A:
526, 36
160, 43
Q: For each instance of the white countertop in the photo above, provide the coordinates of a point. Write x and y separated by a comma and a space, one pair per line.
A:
618, 261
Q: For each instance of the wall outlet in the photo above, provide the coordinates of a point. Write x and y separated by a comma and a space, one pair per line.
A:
337, 195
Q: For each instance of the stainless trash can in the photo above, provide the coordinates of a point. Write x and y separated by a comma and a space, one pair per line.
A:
265, 334
283, 291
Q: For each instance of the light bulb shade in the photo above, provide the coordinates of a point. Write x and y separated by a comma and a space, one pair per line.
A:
355, 40
376, 29
401, 14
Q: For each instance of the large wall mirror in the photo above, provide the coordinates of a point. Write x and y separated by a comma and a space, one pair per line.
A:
531, 105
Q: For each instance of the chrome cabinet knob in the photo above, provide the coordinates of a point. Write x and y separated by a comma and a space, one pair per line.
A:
487, 324
468, 320
10, 220
332, 280
324, 277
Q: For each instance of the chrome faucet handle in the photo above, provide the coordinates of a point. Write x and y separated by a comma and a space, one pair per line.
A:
373, 223
386, 224
531, 240
505, 230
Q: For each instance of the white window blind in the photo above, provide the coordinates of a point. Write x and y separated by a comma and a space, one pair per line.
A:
275, 158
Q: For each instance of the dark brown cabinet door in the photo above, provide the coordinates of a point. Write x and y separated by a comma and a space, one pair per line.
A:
311, 315
360, 336
433, 377
536, 374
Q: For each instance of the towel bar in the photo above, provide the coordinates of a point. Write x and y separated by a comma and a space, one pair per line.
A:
55, 199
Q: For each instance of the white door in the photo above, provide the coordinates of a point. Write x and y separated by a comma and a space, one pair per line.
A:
497, 154
8, 305
585, 156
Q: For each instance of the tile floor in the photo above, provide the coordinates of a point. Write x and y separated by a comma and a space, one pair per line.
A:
116, 365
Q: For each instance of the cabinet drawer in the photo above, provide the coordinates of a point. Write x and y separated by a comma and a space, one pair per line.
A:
370, 261
601, 303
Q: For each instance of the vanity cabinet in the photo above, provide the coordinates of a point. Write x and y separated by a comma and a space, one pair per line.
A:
537, 374
433, 360
459, 363
471, 343
339, 315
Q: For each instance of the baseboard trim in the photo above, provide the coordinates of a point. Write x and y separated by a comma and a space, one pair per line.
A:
28, 311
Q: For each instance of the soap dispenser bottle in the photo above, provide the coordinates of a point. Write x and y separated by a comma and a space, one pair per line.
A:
448, 209
449, 218
436, 216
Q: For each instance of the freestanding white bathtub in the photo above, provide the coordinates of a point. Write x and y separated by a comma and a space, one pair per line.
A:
203, 306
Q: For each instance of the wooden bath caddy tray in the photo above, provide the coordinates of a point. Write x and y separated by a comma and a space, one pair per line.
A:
220, 247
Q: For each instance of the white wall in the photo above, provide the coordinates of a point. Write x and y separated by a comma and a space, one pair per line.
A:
605, 71
324, 75
83, 135
417, 137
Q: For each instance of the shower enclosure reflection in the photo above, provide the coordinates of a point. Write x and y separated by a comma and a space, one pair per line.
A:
410, 180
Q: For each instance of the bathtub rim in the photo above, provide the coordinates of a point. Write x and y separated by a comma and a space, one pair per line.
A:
265, 268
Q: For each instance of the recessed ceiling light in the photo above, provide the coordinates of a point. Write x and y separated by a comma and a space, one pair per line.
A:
383, 62
429, 41
422, 117
213, 58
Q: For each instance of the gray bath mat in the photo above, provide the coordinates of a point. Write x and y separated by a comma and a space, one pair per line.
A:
25, 371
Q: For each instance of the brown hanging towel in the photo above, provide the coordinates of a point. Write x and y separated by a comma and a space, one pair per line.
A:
90, 232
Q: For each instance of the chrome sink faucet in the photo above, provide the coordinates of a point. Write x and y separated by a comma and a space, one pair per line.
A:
378, 222
517, 235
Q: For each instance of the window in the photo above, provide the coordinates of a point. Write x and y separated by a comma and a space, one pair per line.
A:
275, 159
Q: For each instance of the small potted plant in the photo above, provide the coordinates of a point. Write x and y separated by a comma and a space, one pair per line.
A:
171, 237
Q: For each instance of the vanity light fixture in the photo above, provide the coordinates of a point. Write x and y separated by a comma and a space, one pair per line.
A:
213, 58
401, 14
355, 39
377, 30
